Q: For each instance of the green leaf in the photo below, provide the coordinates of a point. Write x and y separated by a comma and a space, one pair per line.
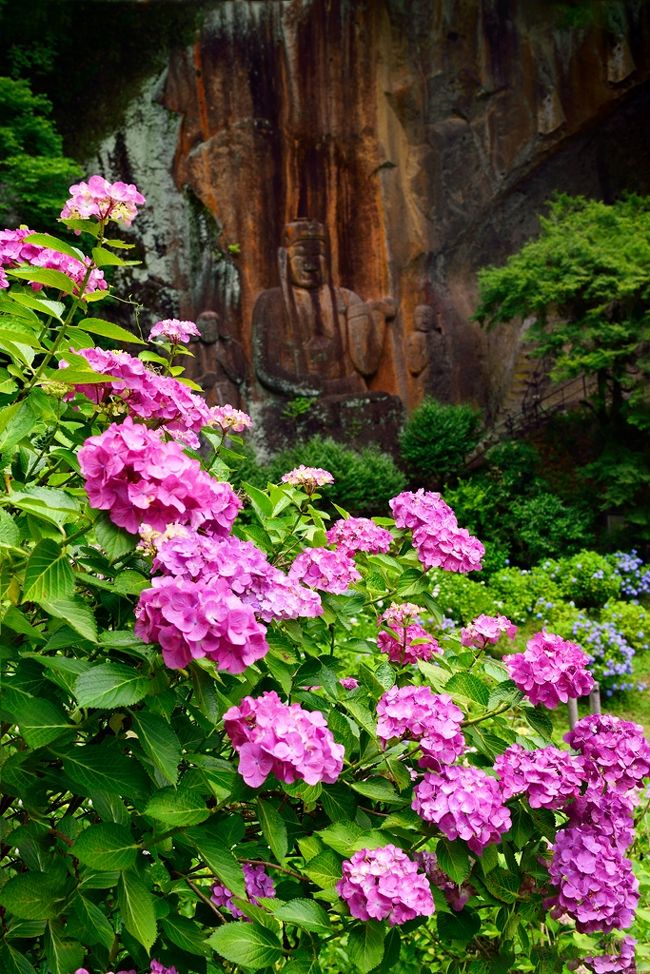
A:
105, 847
53, 243
48, 504
43, 275
13, 961
347, 837
63, 954
19, 420
97, 326
469, 686
180, 806
186, 934
130, 582
91, 922
503, 884
9, 533
48, 574
458, 927
504, 693
305, 914
115, 541
453, 860
378, 789
247, 944
111, 685
45, 306
104, 257
540, 721
16, 621
211, 845
103, 767
32, 896
159, 742
40, 720
76, 613
324, 869
137, 908
366, 945
273, 828
338, 801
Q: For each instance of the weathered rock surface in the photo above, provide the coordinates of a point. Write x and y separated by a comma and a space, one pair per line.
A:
425, 135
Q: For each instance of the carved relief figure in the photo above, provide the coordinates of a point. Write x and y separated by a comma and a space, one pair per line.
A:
427, 354
219, 365
309, 337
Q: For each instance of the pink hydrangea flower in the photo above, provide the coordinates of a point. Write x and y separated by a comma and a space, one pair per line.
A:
455, 894
359, 534
15, 252
615, 750
486, 629
384, 884
308, 478
192, 620
437, 538
106, 201
258, 884
418, 714
174, 331
622, 962
272, 737
228, 419
548, 776
465, 803
595, 882
158, 968
551, 670
330, 571
138, 478
349, 682
609, 813
405, 640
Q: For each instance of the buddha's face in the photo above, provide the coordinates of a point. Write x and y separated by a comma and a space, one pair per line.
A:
424, 318
307, 263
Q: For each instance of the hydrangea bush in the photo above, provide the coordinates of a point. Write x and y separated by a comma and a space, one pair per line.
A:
196, 780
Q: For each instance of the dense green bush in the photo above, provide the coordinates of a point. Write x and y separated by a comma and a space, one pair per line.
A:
516, 592
587, 578
543, 526
459, 597
437, 438
630, 619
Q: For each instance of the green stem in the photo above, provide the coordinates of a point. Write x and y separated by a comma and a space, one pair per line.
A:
491, 713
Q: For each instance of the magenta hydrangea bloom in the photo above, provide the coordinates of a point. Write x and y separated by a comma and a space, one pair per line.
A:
308, 477
106, 201
158, 968
418, 714
228, 419
456, 895
174, 331
14, 252
595, 882
132, 473
487, 629
384, 884
330, 571
465, 803
349, 682
437, 538
146, 394
548, 777
551, 670
258, 884
272, 737
622, 962
359, 534
192, 620
609, 813
615, 750
405, 640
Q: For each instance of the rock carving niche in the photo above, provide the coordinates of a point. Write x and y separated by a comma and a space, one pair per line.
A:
219, 363
427, 355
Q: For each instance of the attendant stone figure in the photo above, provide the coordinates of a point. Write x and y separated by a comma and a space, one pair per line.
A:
427, 355
219, 364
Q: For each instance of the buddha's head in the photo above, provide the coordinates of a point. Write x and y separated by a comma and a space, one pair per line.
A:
208, 325
306, 244
424, 318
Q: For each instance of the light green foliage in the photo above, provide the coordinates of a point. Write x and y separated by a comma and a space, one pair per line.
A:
461, 598
437, 438
587, 578
516, 592
632, 620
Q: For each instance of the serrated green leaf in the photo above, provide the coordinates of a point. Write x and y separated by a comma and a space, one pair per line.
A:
159, 742
77, 613
106, 847
180, 806
48, 504
32, 896
273, 828
453, 860
115, 541
186, 934
40, 720
503, 884
339, 802
9, 533
540, 721
111, 685
468, 686
504, 693
248, 944
366, 945
103, 767
137, 908
91, 922
324, 869
377, 789
347, 837
305, 914
63, 954
18, 422
48, 574
213, 847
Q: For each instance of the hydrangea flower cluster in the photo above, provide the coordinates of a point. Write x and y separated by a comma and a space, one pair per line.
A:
349, 682
610, 654
107, 201
456, 895
250, 576
437, 538
384, 884
405, 640
308, 477
14, 252
146, 394
633, 572
174, 331
330, 571
359, 534
228, 419
140, 479
192, 620
257, 882
548, 776
595, 882
610, 814
156, 967
272, 737
615, 750
465, 803
551, 670
421, 715
621, 963
486, 629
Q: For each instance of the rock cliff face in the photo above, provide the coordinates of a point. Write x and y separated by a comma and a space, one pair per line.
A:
424, 134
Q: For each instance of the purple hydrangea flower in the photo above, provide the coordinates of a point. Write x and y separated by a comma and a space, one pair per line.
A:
405, 640
548, 776
609, 813
486, 629
384, 884
359, 534
551, 670
614, 750
257, 882
330, 571
420, 715
621, 963
438, 540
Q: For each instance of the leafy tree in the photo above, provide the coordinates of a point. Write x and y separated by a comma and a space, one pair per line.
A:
586, 282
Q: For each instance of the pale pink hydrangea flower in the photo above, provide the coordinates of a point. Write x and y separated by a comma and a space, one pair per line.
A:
551, 670
487, 629
405, 640
615, 750
548, 776
309, 478
330, 571
257, 882
359, 534
228, 419
437, 538
174, 331
281, 739
384, 884
465, 803
418, 714
107, 201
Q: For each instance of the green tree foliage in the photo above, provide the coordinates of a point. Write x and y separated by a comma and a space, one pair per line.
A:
586, 282
34, 173
437, 438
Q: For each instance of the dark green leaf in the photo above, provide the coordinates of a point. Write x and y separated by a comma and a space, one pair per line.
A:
503, 884
273, 828
32, 896
111, 685
180, 806
48, 574
106, 847
13, 961
468, 686
186, 934
40, 720
458, 927
366, 945
159, 742
210, 845
137, 908
63, 954
115, 541
77, 613
91, 923
453, 860
102, 767
377, 789
324, 869
247, 944
305, 914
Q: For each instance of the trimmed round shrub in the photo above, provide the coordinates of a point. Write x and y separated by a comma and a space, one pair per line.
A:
437, 438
